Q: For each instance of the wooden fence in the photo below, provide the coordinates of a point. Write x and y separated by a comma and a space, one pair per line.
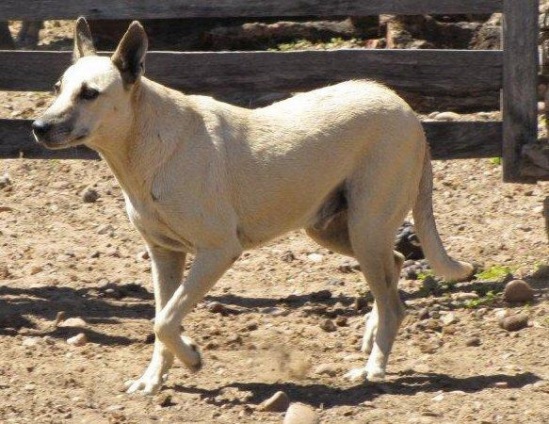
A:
512, 70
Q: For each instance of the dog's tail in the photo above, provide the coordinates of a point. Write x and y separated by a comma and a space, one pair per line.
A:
439, 259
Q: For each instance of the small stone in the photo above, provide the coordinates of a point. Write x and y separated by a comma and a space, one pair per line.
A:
90, 195
429, 284
299, 413
288, 256
164, 400
315, 257
449, 319
438, 398
327, 369
216, 307
275, 311
36, 269
473, 341
5, 181
79, 340
515, 322
341, 321
447, 116
328, 326
143, 255
501, 385
278, 402
73, 322
518, 291
423, 314
30, 341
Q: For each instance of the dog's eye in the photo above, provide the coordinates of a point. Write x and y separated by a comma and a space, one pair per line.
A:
89, 93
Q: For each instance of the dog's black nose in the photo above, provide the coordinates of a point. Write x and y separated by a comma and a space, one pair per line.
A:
41, 127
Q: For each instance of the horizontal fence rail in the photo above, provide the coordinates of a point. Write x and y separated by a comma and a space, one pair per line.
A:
422, 71
448, 140
155, 9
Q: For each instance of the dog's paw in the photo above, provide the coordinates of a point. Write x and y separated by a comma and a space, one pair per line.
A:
145, 385
356, 374
192, 354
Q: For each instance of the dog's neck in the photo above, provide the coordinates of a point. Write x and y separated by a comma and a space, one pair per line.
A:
142, 143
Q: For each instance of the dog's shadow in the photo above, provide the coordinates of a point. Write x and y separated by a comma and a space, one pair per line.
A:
35, 309
325, 396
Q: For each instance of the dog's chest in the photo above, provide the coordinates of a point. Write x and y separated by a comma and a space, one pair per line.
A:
146, 216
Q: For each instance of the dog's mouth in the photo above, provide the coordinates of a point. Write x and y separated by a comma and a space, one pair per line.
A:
60, 139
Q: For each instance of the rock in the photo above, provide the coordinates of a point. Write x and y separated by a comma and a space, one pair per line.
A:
423, 314
36, 269
315, 257
299, 413
31, 341
164, 399
73, 322
429, 283
143, 255
515, 322
216, 307
447, 116
327, 369
473, 341
518, 291
328, 326
274, 311
79, 340
90, 195
278, 402
341, 321
288, 256
449, 319
5, 181
501, 385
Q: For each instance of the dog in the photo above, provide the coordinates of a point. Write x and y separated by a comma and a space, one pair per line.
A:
345, 162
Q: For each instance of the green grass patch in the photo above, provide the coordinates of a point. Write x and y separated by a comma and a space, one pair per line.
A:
488, 299
494, 273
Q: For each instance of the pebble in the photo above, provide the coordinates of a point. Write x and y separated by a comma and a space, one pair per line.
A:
79, 340
360, 303
429, 283
328, 325
299, 413
216, 307
449, 319
518, 291
288, 256
327, 369
341, 321
315, 257
73, 322
30, 341
164, 399
59, 318
90, 195
5, 181
143, 255
501, 385
473, 341
447, 116
515, 322
279, 402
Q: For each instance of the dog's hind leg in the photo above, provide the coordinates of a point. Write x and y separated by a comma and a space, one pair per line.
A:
335, 236
167, 272
208, 266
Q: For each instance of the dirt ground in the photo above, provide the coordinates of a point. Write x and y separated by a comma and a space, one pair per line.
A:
69, 267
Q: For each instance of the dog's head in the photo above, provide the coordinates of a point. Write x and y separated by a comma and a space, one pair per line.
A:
94, 95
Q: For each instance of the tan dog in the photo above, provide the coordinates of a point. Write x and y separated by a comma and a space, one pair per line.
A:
346, 162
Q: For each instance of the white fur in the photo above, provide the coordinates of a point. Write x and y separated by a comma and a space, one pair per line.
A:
204, 177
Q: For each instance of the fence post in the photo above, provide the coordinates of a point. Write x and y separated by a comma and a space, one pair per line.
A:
519, 97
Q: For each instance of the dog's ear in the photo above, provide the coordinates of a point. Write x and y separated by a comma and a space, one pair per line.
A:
83, 41
129, 56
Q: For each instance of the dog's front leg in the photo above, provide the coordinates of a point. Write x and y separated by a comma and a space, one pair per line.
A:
208, 266
167, 272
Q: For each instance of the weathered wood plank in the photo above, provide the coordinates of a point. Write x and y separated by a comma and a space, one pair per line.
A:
422, 71
519, 96
154, 9
449, 140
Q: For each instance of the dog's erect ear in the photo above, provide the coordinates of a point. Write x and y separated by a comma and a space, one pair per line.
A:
129, 56
83, 41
